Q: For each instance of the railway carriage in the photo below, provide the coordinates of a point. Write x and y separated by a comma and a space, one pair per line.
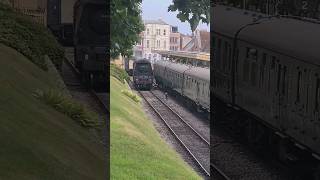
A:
267, 69
188, 81
90, 41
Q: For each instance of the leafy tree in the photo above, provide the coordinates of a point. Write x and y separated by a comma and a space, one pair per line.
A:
126, 25
192, 11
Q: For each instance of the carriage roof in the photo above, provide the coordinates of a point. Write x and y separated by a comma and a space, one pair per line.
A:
292, 37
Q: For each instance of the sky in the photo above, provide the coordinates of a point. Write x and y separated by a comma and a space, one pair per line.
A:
156, 9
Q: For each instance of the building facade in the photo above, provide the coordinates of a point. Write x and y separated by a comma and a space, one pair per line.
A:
175, 37
184, 40
200, 42
156, 36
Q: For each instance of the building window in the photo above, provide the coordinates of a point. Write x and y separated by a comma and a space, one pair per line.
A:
164, 45
147, 43
147, 31
164, 32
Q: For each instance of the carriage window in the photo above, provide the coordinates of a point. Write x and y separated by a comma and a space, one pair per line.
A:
317, 95
298, 87
279, 76
284, 80
245, 70
273, 62
262, 67
264, 59
225, 56
229, 56
253, 73
248, 52
218, 53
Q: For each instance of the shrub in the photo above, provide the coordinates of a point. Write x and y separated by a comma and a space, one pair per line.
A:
68, 107
131, 95
32, 40
119, 73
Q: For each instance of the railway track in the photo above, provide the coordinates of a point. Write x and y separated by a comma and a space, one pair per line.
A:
101, 98
196, 146
217, 173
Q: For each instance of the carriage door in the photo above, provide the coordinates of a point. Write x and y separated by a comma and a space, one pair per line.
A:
282, 94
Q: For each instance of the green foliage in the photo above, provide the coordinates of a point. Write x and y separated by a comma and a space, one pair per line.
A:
131, 95
31, 39
68, 107
192, 11
119, 73
126, 24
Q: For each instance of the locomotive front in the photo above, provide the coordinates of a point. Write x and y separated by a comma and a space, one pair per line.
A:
143, 74
91, 41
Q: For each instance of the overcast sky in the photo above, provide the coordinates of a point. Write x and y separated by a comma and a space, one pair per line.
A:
155, 9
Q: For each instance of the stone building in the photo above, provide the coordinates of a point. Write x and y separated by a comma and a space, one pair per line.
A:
156, 36
175, 37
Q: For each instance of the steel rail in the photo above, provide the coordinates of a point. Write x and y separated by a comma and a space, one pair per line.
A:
91, 91
175, 135
199, 135
219, 171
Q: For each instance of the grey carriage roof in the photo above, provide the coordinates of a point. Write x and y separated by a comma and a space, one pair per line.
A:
292, 37
198, 72
181, 68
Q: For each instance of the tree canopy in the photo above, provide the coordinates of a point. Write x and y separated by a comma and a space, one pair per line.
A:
126, 25
192, 11
126, 22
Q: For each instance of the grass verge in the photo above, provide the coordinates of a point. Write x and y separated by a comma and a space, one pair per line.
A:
37, 141
32, 40
137, 150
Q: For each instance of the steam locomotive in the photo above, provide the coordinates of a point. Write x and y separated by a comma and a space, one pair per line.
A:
90, 41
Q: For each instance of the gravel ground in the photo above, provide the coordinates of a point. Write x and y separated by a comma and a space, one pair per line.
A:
166, 134
201, 125
240, 163
228, 154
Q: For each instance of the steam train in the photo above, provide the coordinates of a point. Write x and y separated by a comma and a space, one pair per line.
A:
190, 82
142, 74
266, 71
90, 41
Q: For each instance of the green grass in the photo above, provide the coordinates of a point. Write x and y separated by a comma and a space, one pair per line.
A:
119, 73
137, 150
31, 39
37, 141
